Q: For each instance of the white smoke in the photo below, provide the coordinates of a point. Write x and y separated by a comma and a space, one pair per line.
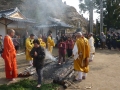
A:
49, 56
39, 10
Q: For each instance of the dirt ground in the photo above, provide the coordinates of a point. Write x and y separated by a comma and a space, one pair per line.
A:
104, 71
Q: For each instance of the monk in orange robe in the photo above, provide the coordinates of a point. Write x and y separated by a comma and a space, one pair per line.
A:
9, 56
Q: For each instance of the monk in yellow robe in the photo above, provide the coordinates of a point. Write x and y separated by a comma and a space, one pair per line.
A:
81, 60
29, 45
50, 43
9, 56
42, 43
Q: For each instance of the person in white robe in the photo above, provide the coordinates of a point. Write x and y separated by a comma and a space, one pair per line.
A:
92, 48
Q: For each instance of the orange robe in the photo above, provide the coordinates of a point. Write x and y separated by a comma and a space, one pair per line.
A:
9, 56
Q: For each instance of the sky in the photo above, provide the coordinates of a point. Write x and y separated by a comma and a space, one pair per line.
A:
75, 4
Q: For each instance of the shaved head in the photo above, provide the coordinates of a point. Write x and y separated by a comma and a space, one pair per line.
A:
11, 32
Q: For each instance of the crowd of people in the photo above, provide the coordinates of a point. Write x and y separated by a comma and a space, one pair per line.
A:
111, 40
77, 46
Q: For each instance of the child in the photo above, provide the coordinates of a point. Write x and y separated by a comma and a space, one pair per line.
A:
38, 55
62, 51
69, 46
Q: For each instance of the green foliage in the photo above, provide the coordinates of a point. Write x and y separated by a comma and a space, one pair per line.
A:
111, 11
85, 5
27, 84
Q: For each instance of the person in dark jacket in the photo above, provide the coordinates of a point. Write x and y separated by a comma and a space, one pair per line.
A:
38, 55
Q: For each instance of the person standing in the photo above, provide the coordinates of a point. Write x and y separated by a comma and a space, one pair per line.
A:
1, 44
29, 46
16, 43
57, 39
42, 43
118, 41
114, 41
64, 37
69, 46
97, 41
38, 55
50, 43
81, 53
103, 40
9, 56
62, 51
108, 41
92, 48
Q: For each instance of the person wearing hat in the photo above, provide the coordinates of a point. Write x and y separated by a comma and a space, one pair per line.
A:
29, 46
81, 53
92, 48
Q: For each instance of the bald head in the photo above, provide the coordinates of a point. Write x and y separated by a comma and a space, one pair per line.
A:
11, 32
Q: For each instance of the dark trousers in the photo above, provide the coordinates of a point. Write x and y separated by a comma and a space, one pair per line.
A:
109, 45
61, 56
103, 45
114, 44
39, 73
118, 45
69, 52
16, 48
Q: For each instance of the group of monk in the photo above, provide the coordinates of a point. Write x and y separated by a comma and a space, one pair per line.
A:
81, 49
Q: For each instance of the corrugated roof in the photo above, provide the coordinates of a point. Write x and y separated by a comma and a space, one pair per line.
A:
6, 14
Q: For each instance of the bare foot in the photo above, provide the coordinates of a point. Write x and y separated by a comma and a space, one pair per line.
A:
39, 85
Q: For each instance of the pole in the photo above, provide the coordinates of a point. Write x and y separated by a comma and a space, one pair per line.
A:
91, 16
101, 16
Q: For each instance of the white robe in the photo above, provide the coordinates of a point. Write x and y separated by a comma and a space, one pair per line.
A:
91, 43
92, 48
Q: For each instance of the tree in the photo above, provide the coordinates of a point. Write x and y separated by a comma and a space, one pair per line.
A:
112, 14
88, 5
111, 11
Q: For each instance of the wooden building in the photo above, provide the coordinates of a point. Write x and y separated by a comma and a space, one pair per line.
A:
13, 19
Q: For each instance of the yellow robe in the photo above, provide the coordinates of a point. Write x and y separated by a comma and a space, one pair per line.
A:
29, 46
83, 51
43, 44
50, 44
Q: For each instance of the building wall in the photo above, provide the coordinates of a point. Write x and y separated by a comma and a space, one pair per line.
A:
2, 29
15, 25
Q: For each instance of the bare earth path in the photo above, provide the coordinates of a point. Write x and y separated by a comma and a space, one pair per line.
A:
104, 71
